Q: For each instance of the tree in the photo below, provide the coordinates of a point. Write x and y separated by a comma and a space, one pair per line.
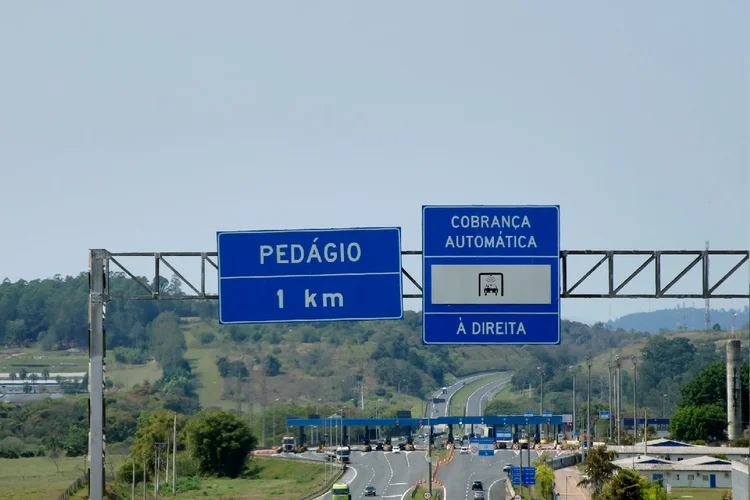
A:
545, 479
23, 374
699, 423
167, 340
154, 427
626, 485
599, 469
13, 376
221, 442
34, 377
45, 374
272, 366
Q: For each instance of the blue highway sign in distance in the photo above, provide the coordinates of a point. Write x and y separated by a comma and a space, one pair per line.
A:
491, 275
310, 275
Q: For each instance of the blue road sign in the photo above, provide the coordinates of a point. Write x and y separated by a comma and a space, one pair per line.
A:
528, 474
604, 414
485, 446
528, 414
491, 275
547, 413
310, 275
503, 435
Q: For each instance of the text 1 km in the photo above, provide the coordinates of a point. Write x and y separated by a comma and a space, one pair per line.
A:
313, 299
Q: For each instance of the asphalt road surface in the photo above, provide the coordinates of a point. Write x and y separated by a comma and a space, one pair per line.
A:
481, 396
463, 470
392, 474
441, 409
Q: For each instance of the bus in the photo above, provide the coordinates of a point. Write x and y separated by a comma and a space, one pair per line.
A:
341, 491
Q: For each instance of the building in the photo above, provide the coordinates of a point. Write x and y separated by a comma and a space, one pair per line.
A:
740, 480
676, 451
695, 472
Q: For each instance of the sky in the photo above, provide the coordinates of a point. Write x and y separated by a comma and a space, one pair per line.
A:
150, 126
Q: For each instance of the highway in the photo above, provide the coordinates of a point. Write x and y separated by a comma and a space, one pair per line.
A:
392, 474
481, 396
441, 409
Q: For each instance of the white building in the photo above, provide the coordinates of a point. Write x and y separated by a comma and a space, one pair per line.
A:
696, 472
740, 480
676, 451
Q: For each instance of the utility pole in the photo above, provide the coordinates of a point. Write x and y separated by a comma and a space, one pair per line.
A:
588, 408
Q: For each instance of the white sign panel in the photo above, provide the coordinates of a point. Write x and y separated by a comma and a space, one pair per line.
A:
491, 284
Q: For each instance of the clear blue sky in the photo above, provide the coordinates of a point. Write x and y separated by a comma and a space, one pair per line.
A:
147, 126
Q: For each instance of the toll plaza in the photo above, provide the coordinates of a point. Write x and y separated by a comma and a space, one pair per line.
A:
515, 422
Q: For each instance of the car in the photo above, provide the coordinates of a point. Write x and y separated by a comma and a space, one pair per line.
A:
464, 450
379, 446
396, 449
507, 468
370, 491
479, 495
477, 485
402, 446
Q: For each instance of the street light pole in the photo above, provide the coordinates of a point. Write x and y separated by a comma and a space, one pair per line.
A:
635, 398
575, 422
588, 408
618, 398
609, 383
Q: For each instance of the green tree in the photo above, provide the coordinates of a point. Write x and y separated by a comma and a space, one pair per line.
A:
221, 442
626, 485
23, 374
696, 423
154, 427
167, 340
272, 366
45, 374
13, 376
545, 480
599, 469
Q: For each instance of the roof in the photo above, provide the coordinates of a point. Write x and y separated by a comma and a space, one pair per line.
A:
680, 450
698, 464
668, 442
706, 460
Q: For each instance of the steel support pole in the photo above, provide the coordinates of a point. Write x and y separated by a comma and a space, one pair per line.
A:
97, 301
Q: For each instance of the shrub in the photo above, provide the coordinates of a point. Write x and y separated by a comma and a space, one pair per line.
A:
206, 337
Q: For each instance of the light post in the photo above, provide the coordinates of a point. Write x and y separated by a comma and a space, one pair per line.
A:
588, 407
575, 423
609, 385
635, 399
618, 397
273, 420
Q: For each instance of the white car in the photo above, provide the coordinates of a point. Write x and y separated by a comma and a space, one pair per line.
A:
396, 449
464, 450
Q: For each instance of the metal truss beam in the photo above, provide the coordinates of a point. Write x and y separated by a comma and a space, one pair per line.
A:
609, 289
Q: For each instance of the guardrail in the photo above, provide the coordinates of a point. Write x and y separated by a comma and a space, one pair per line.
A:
76, 485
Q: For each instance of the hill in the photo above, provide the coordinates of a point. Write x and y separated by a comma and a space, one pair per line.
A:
665, 362
179, 346
682, 319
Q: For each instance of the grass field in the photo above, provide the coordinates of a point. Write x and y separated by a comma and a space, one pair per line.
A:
277, 478
36, 360
458, 402
37, 478
698, 493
